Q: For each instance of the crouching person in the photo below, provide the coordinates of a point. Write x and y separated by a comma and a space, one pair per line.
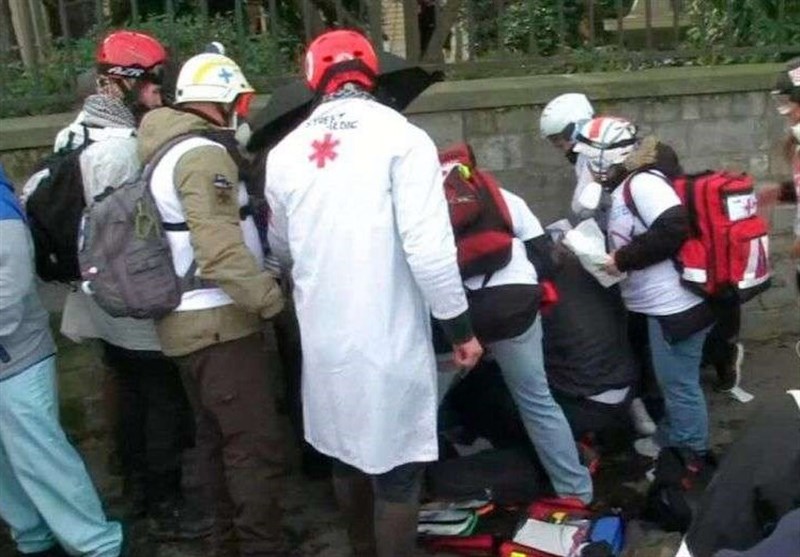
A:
215, 334
589, 363
498, 240
46, 495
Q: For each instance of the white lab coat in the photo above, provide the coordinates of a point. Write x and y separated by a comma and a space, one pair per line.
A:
364, 227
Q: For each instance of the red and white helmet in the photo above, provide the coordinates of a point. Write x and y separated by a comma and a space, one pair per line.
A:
606, 141
131, 55
338, 57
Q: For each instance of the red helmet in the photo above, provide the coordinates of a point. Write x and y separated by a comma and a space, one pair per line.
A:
130, 54
339, 56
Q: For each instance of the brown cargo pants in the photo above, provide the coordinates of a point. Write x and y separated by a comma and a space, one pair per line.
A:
240, 446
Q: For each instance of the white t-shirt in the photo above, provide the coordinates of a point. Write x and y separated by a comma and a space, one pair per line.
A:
655, 290
583, 177
519, 269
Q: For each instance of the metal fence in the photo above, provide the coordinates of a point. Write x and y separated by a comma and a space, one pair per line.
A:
46, 46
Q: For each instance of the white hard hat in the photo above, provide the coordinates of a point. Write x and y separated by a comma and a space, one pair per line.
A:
563, 111
606, 141
210, 77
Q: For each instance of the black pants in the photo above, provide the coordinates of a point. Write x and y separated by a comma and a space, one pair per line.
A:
720, 347
155, 421
588, 416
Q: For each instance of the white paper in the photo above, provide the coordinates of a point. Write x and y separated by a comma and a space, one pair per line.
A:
555, 539
588, 243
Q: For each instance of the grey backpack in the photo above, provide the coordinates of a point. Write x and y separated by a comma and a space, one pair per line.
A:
123, 251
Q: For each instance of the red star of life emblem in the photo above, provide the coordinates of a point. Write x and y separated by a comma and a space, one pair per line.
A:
324, 150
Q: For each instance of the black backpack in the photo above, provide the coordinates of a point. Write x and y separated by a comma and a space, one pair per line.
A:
54, 212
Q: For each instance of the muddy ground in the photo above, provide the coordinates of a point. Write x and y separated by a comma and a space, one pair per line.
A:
311, 518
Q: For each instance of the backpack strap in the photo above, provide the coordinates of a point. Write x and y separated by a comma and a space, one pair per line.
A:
190, 281
627, 198
627, 193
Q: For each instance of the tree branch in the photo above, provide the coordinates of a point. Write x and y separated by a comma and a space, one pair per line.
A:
444, 23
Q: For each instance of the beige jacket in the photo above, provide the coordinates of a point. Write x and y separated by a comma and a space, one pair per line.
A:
220, 252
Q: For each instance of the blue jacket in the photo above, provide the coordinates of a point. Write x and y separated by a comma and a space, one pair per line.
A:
25, 337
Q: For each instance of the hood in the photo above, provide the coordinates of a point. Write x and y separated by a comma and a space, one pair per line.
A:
651, 153
162, 124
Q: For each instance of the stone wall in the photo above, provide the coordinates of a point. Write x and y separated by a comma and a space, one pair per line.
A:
719, 117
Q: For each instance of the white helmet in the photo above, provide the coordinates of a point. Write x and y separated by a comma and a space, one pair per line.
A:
606, 141
210, 77
570, 109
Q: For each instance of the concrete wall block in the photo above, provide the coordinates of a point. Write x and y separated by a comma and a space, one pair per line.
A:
715, 106
690, 108
522, 120
443, 127
674, 134
749, 104
782, 218
630, 110
502, 152
726, 136
480, 122
759, 166
662, 110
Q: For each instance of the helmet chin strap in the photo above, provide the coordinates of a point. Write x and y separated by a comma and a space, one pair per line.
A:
572, 156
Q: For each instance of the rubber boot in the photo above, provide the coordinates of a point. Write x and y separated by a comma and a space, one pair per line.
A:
396, 528
355, 499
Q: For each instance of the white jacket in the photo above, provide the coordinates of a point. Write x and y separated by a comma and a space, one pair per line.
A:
359, 215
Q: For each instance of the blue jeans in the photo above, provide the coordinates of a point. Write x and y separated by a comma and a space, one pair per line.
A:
677, 370
46, 495
522, 363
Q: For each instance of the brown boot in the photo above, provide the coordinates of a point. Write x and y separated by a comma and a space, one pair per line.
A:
396, 528
355, 498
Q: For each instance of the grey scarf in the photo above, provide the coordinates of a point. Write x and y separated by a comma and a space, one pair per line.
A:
106, 111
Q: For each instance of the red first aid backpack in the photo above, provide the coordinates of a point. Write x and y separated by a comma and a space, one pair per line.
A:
728, 247
479, 214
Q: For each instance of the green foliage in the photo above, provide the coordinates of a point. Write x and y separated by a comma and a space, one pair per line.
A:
508, 37
720, 25
49, 87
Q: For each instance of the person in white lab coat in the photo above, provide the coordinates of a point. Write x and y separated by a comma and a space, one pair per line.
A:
360, 219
